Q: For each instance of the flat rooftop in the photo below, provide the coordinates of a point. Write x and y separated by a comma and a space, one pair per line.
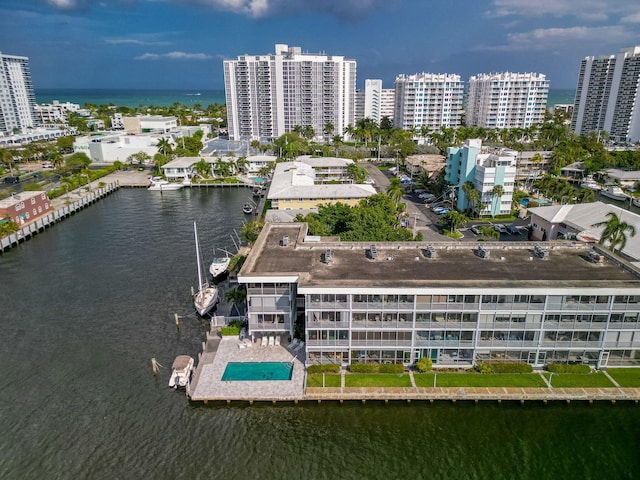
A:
404, 265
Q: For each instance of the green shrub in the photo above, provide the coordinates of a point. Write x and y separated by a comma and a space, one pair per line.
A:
391, 368
425, 364
364, 367
566, 368
504, 368
323, 368
230, 330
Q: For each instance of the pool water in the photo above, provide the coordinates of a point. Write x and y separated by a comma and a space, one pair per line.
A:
257, 371
258, 179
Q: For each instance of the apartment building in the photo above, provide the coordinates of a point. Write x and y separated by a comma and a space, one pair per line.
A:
457, 304
428, 100
17, 98
486, 168
268, 95
506, 100
608, 96
375, 102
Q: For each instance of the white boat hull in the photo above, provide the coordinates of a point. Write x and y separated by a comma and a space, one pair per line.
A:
219, 266
205, 299
636, 202
181, 371
164, 185
615, 194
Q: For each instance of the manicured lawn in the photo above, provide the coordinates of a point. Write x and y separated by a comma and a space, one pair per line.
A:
377, 380
330, 380
520, 380
626, 377
575, 380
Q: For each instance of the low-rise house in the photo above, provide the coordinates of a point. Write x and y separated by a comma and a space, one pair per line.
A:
25, 207
307, 184
117, 147
578, 221
418, 165
625, 178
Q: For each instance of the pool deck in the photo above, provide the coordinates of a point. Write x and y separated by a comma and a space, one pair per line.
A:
207, 384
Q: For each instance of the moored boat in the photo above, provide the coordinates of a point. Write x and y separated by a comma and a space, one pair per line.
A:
160, 184
207, 295
247, 208
590, 184
219, 265
615, 193
636, 201
181, 371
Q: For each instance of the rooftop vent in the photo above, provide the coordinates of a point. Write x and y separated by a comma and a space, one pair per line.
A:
429, 252
482, 252
285, 241
540, 252
373, 252
326, 257
595, 257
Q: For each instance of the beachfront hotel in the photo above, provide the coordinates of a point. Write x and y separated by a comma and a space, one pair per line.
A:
608, 96
428, 100
456, 303
17, 99
506, 100
268, 95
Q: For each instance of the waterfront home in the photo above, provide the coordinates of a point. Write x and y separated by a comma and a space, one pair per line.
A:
24, 207
450, 304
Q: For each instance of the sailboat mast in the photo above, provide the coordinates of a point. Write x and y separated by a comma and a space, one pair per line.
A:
195, 232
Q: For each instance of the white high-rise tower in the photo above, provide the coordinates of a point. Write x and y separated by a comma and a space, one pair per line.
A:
268, 95
17, 99
608, 96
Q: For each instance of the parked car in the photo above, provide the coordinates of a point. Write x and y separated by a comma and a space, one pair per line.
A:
513, 229
12, 180
498, 227
47, 165
475, 230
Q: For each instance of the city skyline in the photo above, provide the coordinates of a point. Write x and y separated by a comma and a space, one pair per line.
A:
158, 44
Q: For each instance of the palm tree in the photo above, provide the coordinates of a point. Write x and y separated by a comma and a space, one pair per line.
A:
471, 194
164, 146
496, 193
395, 190
615, 232
453, 220
202, 168
236, 297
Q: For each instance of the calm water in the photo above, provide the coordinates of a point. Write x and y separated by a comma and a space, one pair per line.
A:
131, 98
86, 305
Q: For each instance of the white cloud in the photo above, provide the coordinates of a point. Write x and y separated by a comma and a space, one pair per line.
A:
67, 4
593, 10
633, 18
134, 41
560, 38
174, 56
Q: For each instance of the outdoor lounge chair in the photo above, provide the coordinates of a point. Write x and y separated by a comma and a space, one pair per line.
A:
277, 340
264, 341
293, 344
272, 341
299, 347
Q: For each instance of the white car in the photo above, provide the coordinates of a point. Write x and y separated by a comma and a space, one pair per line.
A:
498, 227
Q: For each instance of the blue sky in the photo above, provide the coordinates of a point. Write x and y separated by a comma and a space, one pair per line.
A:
181, 44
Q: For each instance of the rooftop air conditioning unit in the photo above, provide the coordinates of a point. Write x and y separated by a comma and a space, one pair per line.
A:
482, 252
540, 252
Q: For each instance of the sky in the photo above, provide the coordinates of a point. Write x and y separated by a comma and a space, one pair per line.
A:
181, 44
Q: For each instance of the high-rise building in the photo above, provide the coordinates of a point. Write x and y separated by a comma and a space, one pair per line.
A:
428, 100
268, 95
486, 168
17, 100
608, 96
506, 100
375, 102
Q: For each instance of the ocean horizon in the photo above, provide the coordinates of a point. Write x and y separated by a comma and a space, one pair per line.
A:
189, 97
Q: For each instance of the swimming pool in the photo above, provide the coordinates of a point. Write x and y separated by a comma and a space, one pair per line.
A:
257, 371
258, 179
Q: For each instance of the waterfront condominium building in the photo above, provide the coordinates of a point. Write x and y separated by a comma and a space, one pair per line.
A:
268, 95
428, 100
17, 99
375, 102
456, 303
608, 96
506, 100
486, 168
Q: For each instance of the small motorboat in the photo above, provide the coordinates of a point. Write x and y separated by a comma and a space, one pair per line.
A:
636, 201
159, 184
615, 193
590, 184
247, 208
181, 371
219, 265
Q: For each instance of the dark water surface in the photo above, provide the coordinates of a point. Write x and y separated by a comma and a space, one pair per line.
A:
87, 304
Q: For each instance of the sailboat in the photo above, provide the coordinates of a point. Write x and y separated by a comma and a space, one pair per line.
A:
207, 295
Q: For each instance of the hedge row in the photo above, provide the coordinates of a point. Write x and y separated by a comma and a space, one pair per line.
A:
376, 368
565, 368
504, 368
230, 331
323, 368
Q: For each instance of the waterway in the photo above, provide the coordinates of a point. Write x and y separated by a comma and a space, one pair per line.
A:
88, 303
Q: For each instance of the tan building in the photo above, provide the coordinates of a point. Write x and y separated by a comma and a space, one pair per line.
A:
416, 165
307, 183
